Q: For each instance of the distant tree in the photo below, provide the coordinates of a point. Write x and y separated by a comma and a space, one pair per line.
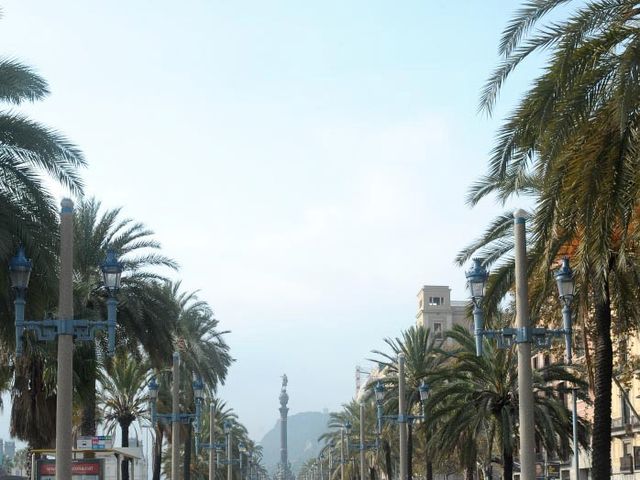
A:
123, 396
421, 361
475, 398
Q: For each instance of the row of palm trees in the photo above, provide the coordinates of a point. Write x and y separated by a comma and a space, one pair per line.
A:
571, 146
470, 419
155, 315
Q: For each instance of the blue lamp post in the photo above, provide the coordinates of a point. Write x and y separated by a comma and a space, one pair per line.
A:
541, 337
379, 392
212, 446
65, 329
175, 418
230, 461
169, 418
49, 329
402, 418
566, 290
362, 446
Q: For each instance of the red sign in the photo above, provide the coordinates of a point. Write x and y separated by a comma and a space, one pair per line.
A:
78, 467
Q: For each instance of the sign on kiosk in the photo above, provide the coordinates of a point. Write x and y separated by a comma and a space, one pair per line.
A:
85, 469
100, 442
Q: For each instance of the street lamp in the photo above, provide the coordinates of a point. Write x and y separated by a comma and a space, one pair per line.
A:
566, 290
48, 329
524, 335
65, 328
227, 428
402, 418
212, 446
175, 418
321, 457
361, 446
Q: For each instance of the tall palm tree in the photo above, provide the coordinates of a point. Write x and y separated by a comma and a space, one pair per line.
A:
123, 397
350, 413
142, 316
203, 350
574, 137
421, 361
30, 156
476, 397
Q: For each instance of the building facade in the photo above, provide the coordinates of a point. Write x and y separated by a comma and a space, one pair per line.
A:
438, 313
625, 422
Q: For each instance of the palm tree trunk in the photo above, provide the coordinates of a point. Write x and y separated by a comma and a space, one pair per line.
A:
409, 450
387, 459
507, 464
88, 422
88, 425
187, 454
124, 427
428, 465
468, 472
157, 454
601, 438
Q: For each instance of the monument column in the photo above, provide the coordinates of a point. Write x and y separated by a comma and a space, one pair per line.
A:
284, 460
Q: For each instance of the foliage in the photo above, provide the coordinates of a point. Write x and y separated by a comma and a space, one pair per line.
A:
571, 143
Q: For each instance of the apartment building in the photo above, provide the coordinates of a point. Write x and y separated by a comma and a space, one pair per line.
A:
625, 423
438, 313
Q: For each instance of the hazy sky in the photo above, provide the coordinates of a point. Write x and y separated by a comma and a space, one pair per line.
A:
304, 161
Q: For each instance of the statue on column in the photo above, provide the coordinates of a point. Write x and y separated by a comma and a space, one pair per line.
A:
284, 469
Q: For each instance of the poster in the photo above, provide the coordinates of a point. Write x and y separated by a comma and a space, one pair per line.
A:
89, 469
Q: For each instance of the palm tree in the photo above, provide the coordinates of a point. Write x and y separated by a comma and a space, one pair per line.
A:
123, 396
30, 156
338, 440
141, 311
350, 414
572, 141
421, 361
203, 350
476, 398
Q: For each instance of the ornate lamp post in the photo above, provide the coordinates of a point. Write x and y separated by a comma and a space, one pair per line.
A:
65, 327
227, 427
402, 418
566, 291
175, 418
524, 335
211, 446
362, 446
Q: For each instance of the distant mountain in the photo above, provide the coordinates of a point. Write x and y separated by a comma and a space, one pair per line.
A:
303, 430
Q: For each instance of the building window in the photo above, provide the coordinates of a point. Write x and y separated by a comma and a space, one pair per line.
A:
437, 329
626, 461
436, 301
534, 360
626, 411
562, 395
547, 360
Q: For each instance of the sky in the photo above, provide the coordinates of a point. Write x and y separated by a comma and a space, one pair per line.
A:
305, 162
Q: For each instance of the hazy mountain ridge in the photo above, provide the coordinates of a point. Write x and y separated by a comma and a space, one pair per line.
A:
303, 430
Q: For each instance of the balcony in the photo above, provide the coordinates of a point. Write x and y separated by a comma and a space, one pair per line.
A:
621, 427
